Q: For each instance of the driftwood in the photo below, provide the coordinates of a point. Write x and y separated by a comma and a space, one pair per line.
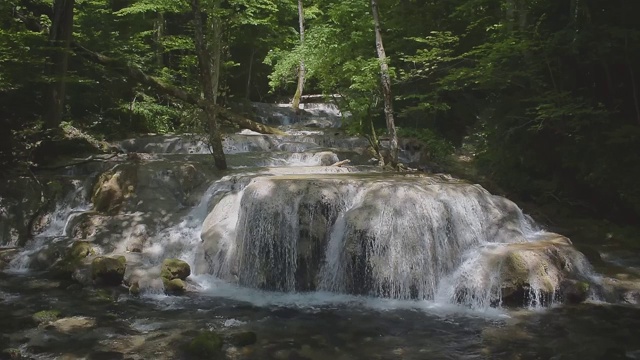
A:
342, 163
170, 90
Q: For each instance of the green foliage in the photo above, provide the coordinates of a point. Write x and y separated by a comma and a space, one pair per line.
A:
439, 148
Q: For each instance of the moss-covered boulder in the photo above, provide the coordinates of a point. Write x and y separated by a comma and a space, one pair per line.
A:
175, 269
10, 354
574, 291
79, 250
108, 271
174, 286
46, 316
243, 338
206, 345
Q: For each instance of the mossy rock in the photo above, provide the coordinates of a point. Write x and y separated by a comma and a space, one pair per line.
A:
174, 286
575, 292
46, 316
108, 271
65, 267
243, 338
175, 269
81, 249
207, 345
10, 354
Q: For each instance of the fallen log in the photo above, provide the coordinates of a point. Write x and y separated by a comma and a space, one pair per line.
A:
170, 90
342, 163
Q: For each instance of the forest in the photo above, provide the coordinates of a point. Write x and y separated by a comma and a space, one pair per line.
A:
542, 95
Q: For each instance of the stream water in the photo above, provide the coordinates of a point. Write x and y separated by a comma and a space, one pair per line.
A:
319, 261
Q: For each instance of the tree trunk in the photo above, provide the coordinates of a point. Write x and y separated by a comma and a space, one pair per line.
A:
60, 39
159, 25
247, 94
138, 75
386, 87
295, 104
206, 82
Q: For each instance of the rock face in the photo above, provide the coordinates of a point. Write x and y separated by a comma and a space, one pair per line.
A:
108, 271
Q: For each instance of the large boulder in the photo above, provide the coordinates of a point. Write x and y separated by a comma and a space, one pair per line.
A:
108, 271
175, 269
73, 259
206, 345
173, 273
532, 273
113, 188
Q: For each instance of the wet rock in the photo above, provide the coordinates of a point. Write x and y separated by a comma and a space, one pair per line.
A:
108, 271
73, 324
45, 316
541, 267
79, 250
206, 345
174, 286
526, 273
175, 269
134, 289
574, 291
113, 188
11, 354
106, 355
243, 338
6, 255
137, 238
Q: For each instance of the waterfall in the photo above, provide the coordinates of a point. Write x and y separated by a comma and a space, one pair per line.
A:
56, 228
284, 219
400, 237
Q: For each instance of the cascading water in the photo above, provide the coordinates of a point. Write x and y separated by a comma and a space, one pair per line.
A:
401, 237
287, 220
56, 227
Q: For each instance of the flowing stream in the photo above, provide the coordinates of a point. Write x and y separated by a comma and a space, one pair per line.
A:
319, 261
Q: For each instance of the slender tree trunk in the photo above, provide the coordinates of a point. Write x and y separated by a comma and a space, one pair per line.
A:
206, 81
158, 39
386, 87
60, 38
247, 93
301, 70
216, 50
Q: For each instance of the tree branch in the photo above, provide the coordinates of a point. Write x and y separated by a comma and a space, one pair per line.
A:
168, 89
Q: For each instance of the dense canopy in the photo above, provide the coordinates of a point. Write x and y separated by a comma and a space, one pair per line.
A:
543, 94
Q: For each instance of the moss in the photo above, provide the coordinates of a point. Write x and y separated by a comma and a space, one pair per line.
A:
65, 267
174, 286
108, 270
175, 269
207, 345
11, 354
46, 316
583, 286
243, 338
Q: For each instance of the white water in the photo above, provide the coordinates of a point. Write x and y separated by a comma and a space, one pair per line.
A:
302, 226
73, 203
